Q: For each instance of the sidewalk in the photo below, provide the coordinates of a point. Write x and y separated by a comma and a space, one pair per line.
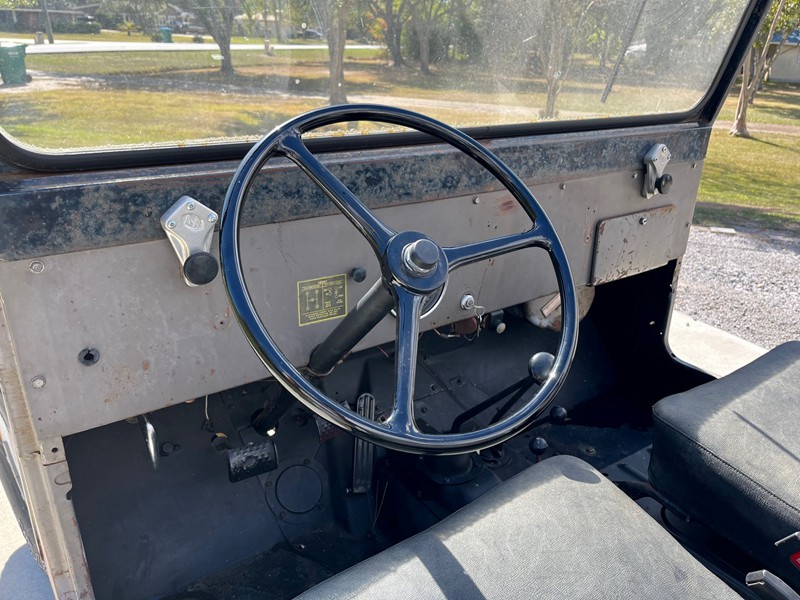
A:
20, 576
713, 350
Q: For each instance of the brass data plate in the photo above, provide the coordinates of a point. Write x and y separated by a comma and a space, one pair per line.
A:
321, 299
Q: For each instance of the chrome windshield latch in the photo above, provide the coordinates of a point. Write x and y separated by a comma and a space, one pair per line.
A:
189, 226
655, 179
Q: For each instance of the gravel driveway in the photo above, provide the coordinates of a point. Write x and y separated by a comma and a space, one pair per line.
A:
747, 284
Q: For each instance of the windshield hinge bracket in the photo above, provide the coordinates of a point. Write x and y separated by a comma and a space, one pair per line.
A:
189, 226
655, 180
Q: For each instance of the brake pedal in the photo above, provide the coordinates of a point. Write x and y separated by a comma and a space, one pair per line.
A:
363, 452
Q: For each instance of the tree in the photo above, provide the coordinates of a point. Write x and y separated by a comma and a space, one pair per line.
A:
250, 8
217, 16
142, 13
781, 20
555, 45
332, 16
277, 11
129, 27
425, 16
46, 24
394, 14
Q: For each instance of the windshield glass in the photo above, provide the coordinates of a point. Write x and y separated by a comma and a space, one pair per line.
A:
147, 73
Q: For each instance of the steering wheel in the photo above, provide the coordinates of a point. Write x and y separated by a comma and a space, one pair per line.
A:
413, 266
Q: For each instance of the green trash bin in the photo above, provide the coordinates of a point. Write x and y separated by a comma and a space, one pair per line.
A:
166, 34
12, 63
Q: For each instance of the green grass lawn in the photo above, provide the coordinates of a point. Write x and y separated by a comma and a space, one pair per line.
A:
174, 97
107, 35
104, 36
151, 117
751, 182
775, 104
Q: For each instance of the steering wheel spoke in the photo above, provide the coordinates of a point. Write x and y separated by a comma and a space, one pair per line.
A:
372, 228
458, 256
409, 306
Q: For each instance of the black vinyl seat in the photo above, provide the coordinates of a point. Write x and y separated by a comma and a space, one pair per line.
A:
728, 454
558, 530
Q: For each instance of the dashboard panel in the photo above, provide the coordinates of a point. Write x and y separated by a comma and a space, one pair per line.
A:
160, 342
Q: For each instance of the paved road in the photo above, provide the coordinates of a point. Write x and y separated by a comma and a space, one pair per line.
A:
20, 576
67, 47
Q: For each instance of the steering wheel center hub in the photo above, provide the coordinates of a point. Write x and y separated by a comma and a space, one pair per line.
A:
416, 262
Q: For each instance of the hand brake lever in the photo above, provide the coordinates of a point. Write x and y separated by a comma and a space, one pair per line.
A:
370, 310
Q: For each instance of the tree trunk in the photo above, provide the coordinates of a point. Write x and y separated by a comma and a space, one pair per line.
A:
276, 11
336, 43
393, 34
552, 94
227, 60
48, 26
424, 39
739, 127
217, 16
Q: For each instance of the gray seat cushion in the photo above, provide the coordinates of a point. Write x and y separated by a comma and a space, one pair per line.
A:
557, 530
728, 453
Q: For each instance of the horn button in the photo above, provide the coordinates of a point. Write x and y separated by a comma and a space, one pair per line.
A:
416, 262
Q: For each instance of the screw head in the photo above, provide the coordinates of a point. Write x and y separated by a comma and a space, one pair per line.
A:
358, 274
171, 224
36, 266
563, 186
467, 302
190, 206
38, 382
643, 221
476, 200
212, 218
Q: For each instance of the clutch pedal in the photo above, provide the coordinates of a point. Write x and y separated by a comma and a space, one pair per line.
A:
363, 452
251, 460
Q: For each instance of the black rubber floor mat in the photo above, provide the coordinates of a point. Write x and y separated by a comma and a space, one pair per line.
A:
279, 574
599, 446
287, 570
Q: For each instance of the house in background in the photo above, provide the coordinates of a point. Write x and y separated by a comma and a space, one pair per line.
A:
786, 67
30, 19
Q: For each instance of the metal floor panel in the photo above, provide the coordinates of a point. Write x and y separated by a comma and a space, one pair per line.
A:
141, 544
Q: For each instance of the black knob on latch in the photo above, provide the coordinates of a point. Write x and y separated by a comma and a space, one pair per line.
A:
664, 183
538, 446
540, 365
200, 268
358, 274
